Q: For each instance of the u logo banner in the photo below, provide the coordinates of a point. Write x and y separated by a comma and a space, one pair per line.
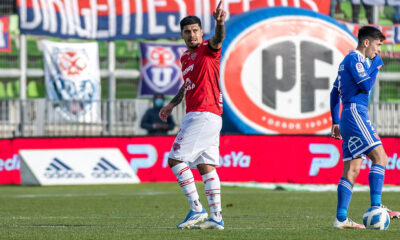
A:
278, 68
160, 68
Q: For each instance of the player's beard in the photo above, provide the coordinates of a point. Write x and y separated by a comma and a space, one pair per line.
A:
193, 46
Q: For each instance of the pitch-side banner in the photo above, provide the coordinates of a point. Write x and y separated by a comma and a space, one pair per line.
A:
131, 19
72, 78
75, 166
274, 159
5, 44
160, 68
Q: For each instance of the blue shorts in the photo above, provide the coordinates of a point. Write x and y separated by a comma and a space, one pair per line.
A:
358, 133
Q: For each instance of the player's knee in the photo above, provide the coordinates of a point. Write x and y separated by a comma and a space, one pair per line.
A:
351, 174
378, 156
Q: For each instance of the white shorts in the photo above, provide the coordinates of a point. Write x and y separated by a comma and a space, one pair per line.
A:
197, 141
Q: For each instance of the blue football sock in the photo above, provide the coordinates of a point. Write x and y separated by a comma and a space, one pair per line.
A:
376, 178
344, 192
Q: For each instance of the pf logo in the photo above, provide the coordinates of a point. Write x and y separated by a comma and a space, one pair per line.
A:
161, 68
278, 68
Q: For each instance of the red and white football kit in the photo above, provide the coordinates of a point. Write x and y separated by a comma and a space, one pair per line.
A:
198, 139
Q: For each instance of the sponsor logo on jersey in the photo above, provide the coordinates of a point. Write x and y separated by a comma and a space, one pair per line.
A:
277, 70
59, 169
105, 169
360, 67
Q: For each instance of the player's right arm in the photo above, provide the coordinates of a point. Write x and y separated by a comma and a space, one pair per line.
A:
360, 75
335, 106
166, 110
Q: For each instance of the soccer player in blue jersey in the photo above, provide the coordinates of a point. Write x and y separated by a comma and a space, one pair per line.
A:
356, 77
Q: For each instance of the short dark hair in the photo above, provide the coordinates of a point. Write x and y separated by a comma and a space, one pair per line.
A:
189, 20
369, 32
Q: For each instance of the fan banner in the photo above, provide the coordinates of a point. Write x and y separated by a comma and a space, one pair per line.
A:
72, 79
243, 158
132, 19
391, 32
5, 43
160, 68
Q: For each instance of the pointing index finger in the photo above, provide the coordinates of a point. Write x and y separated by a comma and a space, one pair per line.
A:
219, 4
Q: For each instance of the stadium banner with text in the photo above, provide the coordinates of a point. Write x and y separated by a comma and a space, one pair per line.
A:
391, 32
275, 59
270, 159
132, 19
72, 78
5, 43
160, 68
75, 166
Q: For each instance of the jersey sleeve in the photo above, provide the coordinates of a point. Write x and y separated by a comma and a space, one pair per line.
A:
374, 69
335, 102
360, 74
211, 51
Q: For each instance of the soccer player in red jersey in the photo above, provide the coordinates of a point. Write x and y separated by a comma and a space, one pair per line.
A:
197, 143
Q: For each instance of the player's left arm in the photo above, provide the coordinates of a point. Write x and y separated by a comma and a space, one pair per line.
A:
376, 65
219, 35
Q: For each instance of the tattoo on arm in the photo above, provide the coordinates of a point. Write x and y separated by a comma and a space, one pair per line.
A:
219, 35
179, 96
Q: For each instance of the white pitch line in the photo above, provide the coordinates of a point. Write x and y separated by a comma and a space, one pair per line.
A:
44, 195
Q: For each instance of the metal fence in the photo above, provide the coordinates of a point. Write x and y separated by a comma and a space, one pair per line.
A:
35, 118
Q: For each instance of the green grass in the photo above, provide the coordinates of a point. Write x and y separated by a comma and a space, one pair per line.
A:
151, 211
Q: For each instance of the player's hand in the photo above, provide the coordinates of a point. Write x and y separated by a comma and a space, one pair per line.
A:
335, 132
165, 112
219, 13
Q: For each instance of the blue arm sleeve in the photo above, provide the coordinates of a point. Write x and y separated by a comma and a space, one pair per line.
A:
360, 75
376, 62
373, 70
335, 105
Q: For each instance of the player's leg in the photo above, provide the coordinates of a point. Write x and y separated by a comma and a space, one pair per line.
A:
212, 188
186, 181
376, 174
182, 151
205, 163
351, 169
376, 178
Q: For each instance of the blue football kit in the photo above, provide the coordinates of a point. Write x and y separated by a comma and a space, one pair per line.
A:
356, 77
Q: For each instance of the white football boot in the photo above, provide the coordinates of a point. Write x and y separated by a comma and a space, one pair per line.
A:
192, 218
210, 224
347, 224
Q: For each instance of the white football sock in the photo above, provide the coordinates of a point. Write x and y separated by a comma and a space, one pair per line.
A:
213, 192
186, 181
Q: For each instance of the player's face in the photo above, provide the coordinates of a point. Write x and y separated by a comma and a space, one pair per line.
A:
193, 35
373, 48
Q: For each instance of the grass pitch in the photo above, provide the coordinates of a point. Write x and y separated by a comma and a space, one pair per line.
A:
152, 210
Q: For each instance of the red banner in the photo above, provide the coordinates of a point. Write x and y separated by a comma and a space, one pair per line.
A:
5, 44
283, 159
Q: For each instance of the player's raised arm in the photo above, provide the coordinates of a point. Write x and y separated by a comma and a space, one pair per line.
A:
166, 110
219, 35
